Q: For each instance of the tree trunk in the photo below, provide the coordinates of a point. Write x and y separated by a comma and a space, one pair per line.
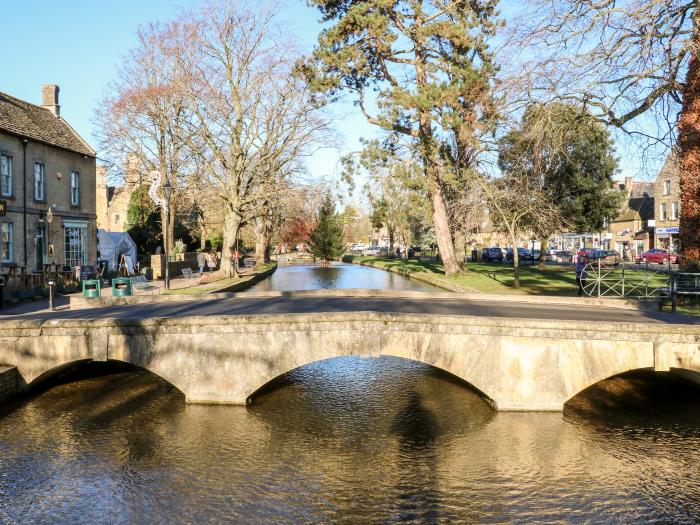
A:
170, 227
441, 224
516, 263
460, 244
262, 241
689, 155
391, 232
231, 227
542, 261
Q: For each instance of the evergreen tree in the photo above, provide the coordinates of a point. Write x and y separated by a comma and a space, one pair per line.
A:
568, 154
430, 69
326, 239
143, 222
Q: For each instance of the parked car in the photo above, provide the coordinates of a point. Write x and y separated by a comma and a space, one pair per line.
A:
585, 252
523, 254
561, 256
492, 254
372, 251
659, 256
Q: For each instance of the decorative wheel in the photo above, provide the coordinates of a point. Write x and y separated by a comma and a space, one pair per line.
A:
665, 261
644, 260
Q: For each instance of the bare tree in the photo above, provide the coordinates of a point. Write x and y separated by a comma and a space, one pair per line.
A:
252, 117
634, 64
145, 116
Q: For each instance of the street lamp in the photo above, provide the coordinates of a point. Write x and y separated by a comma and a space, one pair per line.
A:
167, 189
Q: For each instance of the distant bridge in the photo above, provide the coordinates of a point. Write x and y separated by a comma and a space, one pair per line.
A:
517, 364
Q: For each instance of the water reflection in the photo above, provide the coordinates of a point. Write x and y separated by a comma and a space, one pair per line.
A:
337, 275
349, 440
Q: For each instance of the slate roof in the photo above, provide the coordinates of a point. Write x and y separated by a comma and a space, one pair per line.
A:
637, 208
35, 122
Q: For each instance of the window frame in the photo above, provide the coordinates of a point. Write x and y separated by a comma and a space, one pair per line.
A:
75, 176
9, 175
675, 211
9, 242
42, 171
663, 212
68, 248
667, 187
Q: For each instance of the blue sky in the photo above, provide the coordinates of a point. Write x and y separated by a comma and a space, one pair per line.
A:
78, 44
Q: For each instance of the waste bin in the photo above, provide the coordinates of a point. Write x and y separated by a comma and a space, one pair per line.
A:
121, 287
91, 288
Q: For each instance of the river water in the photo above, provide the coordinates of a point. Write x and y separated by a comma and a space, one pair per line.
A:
337, 275
349, 440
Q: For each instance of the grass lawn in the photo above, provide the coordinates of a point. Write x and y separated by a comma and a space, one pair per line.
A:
496, 278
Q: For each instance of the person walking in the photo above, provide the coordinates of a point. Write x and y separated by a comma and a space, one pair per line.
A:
581, 274
201, 261
211, 263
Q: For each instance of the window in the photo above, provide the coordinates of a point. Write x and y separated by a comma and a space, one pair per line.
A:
117, 218
674, 211
663, 214
39, 181
76, 245
667, 187
5, 175
6, 242
74, 188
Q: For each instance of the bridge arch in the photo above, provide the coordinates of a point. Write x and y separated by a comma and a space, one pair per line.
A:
86, 368
278, 380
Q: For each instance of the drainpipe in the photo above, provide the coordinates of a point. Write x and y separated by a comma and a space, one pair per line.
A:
24, 196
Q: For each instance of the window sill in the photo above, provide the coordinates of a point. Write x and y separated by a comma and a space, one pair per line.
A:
8, 197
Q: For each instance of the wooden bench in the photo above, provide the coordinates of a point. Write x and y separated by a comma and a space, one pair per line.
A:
139, 282
683, 284
187, 273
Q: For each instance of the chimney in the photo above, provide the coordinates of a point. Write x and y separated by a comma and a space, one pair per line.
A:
49, 94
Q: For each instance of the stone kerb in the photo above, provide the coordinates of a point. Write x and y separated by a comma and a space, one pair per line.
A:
518, 364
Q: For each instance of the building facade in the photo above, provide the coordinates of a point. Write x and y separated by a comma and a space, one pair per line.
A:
632, 231
47, 188
113, 201
667, 200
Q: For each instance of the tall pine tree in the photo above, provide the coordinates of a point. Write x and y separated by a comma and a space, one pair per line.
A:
429, 66
326, 239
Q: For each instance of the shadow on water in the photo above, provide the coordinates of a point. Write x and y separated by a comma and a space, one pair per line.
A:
640, 398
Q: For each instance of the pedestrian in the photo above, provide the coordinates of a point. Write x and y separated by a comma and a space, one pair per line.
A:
581, 274
211, 263
201, 261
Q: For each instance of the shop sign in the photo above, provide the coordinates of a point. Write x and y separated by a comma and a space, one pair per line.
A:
3, 208
674, 229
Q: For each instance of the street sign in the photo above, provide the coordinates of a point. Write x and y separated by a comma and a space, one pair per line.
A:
3, 208
674, 229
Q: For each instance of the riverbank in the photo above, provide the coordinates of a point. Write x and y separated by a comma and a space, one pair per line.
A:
229, 284
487, 278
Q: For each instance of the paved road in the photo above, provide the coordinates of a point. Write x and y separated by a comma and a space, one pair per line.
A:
281, 305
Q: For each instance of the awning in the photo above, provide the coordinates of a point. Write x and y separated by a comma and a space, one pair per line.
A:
640, 236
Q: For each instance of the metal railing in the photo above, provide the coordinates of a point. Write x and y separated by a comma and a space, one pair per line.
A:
622, 279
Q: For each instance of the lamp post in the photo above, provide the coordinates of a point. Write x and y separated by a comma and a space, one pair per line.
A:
167, 189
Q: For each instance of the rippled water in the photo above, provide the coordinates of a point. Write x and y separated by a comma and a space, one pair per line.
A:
349, 440
337, 275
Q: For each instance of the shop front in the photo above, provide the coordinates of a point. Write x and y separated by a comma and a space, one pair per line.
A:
668, 238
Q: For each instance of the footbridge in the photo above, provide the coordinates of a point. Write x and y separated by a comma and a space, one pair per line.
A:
516, 363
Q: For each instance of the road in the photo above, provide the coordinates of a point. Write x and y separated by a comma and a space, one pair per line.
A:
282, 305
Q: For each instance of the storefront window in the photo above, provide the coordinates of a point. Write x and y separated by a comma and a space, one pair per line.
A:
76, 245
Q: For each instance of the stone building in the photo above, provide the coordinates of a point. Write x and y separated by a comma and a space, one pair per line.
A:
632, 231
113, 201
667, 197
47, 188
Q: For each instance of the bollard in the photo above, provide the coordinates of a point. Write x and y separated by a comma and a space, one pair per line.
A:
51, 284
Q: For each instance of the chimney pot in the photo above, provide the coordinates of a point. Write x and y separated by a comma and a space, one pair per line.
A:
49, 94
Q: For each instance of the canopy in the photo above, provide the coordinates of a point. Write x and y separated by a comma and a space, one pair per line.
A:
112, 245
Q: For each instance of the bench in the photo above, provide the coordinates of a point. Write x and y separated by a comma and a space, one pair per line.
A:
249, 262
684, 284
187, 273
139, 282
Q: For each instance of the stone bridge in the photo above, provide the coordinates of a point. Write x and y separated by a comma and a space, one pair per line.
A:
517, 364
